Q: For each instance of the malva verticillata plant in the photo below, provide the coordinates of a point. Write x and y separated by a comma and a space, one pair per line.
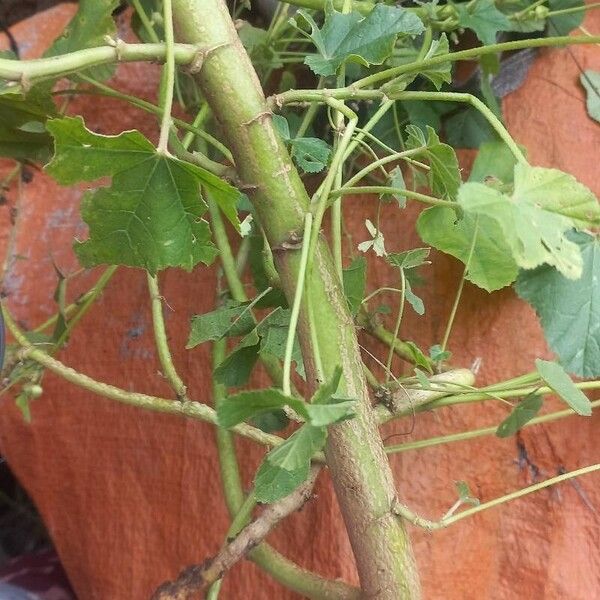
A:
364, 97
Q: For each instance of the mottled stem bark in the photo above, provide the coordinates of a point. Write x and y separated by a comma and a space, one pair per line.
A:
359, 468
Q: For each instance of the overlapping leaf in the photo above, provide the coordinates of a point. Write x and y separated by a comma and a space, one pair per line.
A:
569, 311
367, 40
444, 174
150, 216
88, 28
483, 18
591, 82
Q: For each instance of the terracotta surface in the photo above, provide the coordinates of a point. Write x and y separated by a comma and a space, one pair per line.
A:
131, 497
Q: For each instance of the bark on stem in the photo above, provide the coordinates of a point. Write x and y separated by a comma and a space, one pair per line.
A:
361, 474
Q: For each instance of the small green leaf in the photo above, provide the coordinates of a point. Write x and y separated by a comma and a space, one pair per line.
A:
88, 28
409, 259
311, 154
395, 180
483, 18
417, 356
569, 311
271, 421
464, 493
245, 405
436, 354
230, 320
413, 299
526, 410
444, 174
273, 332
591, 82
556, 378
355, 281
440, 73
330, 412
282, 126
236, 369
564, 24
287, 466
368, 41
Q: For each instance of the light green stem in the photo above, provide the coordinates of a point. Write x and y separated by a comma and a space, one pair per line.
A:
168, 80
461, 285
191, 409
291, 335
383, 189
388, 364
161, 342
475, 433
28, 72
407, 514
139, 9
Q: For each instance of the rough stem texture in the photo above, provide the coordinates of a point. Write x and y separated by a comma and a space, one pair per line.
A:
360, 472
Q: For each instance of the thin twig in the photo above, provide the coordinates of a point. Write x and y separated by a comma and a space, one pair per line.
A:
195, 579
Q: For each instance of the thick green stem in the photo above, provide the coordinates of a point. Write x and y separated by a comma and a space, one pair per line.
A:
360, 472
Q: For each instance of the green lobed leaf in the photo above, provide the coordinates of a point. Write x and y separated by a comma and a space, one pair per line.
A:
350, 37
483, 18
569, 311
417, 356
441, 73
237, 367
556, 378
492, 266
87, 29
564, 24
444, 174
230, 320
464, 493
526, 410
436, 354
355, 281
590, 80
150, 216
311, 154
287, 466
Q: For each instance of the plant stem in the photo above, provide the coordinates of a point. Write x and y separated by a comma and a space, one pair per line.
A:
161, 342
168, 81
573, 9
383, 189
30, 71
461, 285
291, 335
191, 409
280, 568
406, 513
475, 433
388, 364
141, 13
362, 477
